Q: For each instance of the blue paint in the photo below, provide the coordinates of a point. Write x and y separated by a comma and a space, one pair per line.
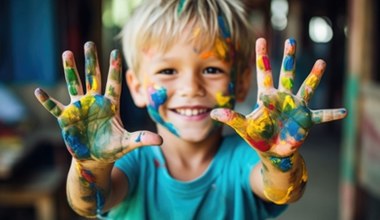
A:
157, 118
78, 104
223, 27
80, 150
138, 139
292, 41
288, 63
158, 98
284, 164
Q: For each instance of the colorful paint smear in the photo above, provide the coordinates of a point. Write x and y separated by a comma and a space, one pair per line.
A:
88, 180
298, 179
91, 67
158, 97
84, 125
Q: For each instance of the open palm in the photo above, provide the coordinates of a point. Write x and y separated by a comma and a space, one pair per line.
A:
281, 120
91, 125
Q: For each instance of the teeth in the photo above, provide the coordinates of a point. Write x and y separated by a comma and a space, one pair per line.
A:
191, 112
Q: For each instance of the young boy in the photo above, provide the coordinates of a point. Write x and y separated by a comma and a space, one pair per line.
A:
189, 61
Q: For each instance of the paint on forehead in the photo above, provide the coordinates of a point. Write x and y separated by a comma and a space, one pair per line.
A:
180, 6
223, 26
157, 97
221, 49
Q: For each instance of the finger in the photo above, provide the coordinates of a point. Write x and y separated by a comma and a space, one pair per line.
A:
308, 87
73, 82
264, 72
288, 66
138, 139
113, 87
93, 81
326, 115
53, 106
230, 117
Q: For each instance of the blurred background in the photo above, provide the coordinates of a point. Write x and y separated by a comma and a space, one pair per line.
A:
343, 157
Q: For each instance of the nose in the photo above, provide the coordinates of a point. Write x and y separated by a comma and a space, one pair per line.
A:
191, 85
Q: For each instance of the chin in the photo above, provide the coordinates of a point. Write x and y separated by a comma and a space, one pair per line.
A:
198, 136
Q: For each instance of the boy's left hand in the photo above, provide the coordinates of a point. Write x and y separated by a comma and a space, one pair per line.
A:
281, 120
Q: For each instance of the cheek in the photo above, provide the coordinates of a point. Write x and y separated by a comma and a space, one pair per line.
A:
157, 96
226, 98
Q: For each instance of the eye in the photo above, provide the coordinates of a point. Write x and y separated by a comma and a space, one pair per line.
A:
167, 71
212, 70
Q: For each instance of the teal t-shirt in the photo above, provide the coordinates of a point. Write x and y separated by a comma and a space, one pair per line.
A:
221, 192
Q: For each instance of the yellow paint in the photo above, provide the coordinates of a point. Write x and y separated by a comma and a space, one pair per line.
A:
259, 125
268, 81
221, 49
79, 171
72, 113
312, 81
287, 83
278, 196
223, 100
260, 63
288, 103
206, 54
196, 32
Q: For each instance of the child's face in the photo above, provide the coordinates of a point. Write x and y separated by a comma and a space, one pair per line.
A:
182, 85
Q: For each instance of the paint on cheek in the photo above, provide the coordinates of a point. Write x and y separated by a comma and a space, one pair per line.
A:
224, 101
157, 97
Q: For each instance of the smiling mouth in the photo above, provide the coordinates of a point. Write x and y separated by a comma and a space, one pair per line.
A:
190, 112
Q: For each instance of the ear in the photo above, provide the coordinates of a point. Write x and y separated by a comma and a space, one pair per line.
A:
243, 84
136, 88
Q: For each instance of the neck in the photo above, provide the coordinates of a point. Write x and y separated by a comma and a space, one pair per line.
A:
187, 160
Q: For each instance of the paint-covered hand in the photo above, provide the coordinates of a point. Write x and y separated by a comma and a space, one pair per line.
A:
281, 120
91, 125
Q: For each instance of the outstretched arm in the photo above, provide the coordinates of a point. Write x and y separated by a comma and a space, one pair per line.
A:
94, 134
278, 126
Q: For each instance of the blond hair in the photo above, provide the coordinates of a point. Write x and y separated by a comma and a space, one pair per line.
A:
162, 22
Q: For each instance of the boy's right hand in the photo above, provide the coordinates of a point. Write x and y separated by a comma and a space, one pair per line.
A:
91, 124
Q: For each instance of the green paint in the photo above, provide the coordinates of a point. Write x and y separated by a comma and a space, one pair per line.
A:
115, 75
181, 5
287, 83
72, 80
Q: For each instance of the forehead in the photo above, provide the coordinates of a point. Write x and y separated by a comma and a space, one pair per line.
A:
200, 40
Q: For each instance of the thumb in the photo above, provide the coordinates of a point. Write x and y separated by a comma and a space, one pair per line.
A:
138, 139
228, 116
